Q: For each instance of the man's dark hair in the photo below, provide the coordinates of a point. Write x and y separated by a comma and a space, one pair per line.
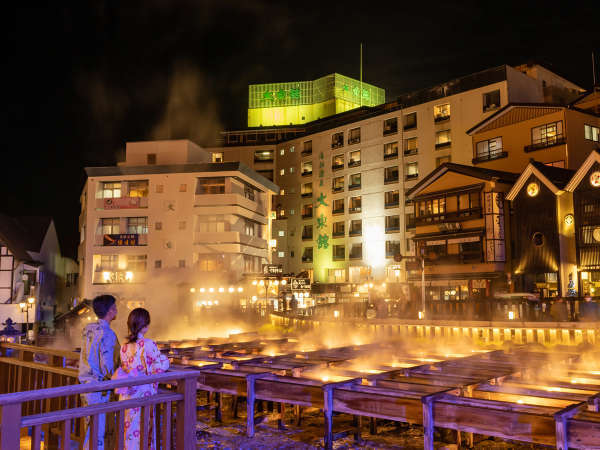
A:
102, 304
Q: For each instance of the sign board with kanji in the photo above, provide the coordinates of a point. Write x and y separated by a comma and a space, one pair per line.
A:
300, 283
272, 269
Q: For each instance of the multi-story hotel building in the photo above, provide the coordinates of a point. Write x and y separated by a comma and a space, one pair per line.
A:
167, 219
342, 214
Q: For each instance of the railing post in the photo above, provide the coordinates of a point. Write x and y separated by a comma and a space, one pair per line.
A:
10, 426
328, 413
428, 422
186, 414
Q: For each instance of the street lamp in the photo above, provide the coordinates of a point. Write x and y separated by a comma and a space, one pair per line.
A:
25, 307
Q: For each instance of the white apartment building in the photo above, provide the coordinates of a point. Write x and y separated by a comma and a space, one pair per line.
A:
341, 214
167, 219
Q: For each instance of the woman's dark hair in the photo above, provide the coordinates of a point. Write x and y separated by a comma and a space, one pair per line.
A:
137, 320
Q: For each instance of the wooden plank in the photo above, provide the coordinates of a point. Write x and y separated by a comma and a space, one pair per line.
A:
428, 423
65, 435
120, 430
583, 434
145, 426
166, 426
93, 439
186, 414
297, 394
10, 426
36, 438
41, 350
328, 413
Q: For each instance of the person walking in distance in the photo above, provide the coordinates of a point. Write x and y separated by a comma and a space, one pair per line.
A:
98, 360
139, 356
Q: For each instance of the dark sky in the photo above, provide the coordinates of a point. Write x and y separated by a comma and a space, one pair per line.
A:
82, 80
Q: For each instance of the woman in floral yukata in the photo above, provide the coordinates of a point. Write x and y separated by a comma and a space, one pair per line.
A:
139, 356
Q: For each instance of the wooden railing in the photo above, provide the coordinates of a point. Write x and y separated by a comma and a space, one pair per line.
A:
41, 392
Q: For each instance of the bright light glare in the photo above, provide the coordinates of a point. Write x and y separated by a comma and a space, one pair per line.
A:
129, 276
106, 276
221, 289
202, 289
240, 289
192, 290
231, 289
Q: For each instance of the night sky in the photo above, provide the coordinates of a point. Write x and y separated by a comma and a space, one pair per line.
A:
82, 80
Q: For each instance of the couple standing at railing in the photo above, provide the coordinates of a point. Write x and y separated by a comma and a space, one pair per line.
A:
102, 358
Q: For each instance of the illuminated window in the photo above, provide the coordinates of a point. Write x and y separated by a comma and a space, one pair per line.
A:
248, 227
136, 263
392, 248
337, 140
392, 199
441, 112
354, 181
281, 233
338, 229
307, 148
338, 206
282, 152
339, 252
390, 126
441, 160
546, 135
410, 121
355, 228
211, 224
339, 275
111, 189
442, 139
307, 168
337, 162
390, 174
356, 251
412, 170
390, 150
307, 255
307, 211
108, 263
491, 100
354, 136
291, 170
307, 190
281, 171
292, 149
592, 133
217, 157
392, 224
214, 185
138, 188
307, 232
410, 220
338, 184
355, 204
354, 159
214, 263
490, 149
137, 225
110, 225
263, 156
281, 254
410, 146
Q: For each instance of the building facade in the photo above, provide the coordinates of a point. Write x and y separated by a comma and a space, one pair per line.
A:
168, 219
342, 214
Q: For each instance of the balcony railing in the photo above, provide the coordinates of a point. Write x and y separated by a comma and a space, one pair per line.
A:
464, 214
355, 140
338, 211
307, 215
462, 258
355, 232
387, 131
306, 173
411, 151
338, 189
490, 156
355, 255
306, 152
392, 179
558, 140
443, 145
393, 229
306, 195
411, 176
307, 259
337, 166
337, 144
263, 160
411, 224
387, 156
355, 209
393, 204
439, 119
307, 237
339, 257
354, 186
338, 234
354, 163
410, 127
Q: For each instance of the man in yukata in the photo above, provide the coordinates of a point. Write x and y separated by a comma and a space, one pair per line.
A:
99, 359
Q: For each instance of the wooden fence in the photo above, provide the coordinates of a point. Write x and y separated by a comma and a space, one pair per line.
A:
39, 392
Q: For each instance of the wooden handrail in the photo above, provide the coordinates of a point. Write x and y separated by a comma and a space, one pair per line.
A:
98, 408
19, 397
41, 350
45, 367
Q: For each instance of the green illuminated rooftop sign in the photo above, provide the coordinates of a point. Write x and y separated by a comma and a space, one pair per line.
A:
281, 94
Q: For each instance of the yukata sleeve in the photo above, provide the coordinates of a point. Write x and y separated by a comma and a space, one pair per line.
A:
156, 362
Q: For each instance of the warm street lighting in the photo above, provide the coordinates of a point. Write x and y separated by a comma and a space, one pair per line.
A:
31, 300
240, 289
261, 283
283, 282
254, 282
22, 305
511, 315
421, 315
129, 276
106, 276
202, 289
211, 289
221, 289
276, 283
231, 289
192, 290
